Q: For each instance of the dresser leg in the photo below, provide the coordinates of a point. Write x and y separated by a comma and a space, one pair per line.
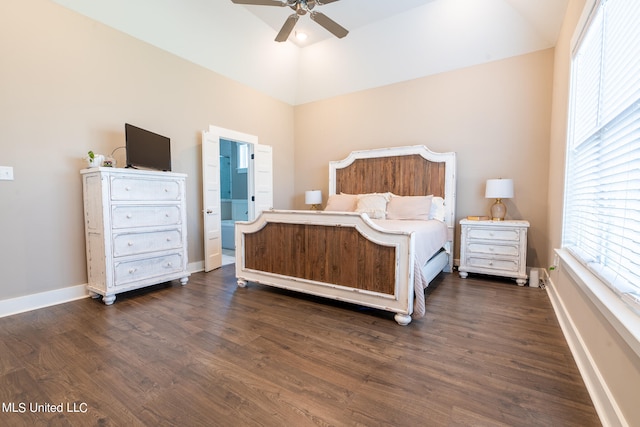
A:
108, 299
521, 282
184, 281
463, 274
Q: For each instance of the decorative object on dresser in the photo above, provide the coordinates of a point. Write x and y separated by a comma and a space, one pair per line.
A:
385, 234
135, 229
496, 248
499, 189
313, 198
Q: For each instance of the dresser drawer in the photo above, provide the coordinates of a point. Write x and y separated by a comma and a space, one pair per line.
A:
505, 265
494, 249
141, 189
494, 234
140, 242
127, 216
131, 271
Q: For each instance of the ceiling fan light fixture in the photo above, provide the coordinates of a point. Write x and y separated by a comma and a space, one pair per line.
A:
301, 7
301, 36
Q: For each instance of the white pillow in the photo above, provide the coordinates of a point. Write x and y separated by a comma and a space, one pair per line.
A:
342, 203
437, 209
409, 207
374, 204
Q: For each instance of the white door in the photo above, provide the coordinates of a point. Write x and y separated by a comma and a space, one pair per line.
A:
211, 200
261, 180
260, 186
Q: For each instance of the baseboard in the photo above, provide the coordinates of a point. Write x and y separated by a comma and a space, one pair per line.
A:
9, 307
603, 400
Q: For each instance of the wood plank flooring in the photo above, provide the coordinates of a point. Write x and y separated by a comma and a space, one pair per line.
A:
487, 353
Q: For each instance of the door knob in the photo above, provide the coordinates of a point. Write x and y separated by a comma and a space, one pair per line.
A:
209, 211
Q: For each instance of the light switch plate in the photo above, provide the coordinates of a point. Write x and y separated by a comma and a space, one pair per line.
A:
6, 173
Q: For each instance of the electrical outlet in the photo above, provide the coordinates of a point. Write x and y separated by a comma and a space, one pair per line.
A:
6, 173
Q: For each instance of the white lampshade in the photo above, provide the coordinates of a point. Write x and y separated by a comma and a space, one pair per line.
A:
313, 197
499, 189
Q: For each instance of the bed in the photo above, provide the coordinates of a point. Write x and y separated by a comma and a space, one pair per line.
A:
356, 254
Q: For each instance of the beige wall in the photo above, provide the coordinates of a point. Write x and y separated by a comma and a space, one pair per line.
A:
495, 116
618, 366
68, 84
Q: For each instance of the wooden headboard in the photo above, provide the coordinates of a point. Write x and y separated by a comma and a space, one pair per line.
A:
404, 171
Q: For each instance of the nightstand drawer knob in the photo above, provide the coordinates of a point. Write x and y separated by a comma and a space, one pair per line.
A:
130, 243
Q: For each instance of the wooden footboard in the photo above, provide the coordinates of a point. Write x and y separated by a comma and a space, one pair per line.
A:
341, 256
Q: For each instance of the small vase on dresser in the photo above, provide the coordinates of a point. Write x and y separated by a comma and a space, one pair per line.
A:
496, 248
135, 229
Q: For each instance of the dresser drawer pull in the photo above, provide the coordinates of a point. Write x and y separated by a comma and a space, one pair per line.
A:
129, 216
132, 270
127, 188
169, 264
166, 190
490, 262
130, 244
168, 239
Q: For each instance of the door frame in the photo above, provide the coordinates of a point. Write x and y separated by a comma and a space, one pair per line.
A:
212, 220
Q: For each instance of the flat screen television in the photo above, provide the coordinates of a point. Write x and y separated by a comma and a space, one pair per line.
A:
146, 149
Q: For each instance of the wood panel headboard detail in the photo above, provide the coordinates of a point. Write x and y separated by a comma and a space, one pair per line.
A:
404, 171
410, 175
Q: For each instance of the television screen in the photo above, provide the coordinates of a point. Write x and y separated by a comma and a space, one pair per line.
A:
147, 149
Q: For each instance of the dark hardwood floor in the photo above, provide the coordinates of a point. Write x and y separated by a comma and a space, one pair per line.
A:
487, 353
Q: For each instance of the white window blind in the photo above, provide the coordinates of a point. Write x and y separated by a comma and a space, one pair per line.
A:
602, 194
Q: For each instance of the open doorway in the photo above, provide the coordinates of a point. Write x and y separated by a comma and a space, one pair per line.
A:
259, 185
234, 193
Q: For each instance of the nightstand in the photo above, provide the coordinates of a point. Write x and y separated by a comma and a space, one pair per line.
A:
497, 248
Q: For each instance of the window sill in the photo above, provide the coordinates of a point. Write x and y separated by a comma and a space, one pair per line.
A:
621, 317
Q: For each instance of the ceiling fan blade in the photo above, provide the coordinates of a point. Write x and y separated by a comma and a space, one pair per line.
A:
329, 24
260, 2
286, 29
321, 2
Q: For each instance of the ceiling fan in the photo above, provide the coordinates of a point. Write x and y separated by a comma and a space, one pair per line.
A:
301, 7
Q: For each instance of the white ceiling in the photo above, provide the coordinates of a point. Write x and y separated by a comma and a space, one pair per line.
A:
389, 40
351, 14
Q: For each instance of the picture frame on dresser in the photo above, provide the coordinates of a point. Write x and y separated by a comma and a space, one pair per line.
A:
497, 248
135, 229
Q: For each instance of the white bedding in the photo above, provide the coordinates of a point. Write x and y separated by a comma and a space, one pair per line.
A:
430, 237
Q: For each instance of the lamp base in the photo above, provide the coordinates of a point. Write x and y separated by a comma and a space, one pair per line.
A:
315, 207
498, 211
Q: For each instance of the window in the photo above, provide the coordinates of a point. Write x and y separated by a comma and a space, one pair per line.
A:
243, 157
602, 194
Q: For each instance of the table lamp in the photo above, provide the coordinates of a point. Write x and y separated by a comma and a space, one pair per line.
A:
499, 189
313, 198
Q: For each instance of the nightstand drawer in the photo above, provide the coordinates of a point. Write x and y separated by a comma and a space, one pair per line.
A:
493, 249
510, 265
494, 234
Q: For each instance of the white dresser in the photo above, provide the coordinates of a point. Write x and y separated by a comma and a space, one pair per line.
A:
135, 229
498, 248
